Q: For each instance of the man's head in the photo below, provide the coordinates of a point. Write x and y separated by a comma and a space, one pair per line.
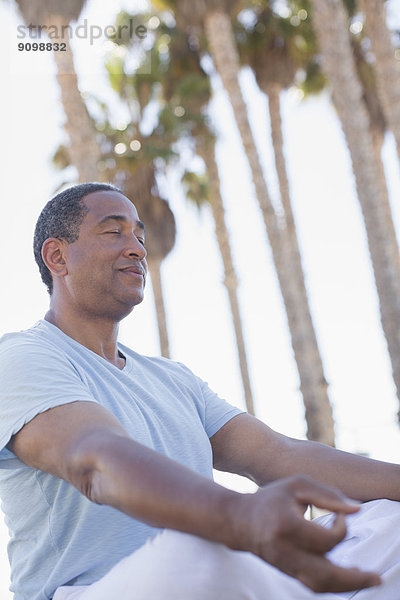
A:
88, 242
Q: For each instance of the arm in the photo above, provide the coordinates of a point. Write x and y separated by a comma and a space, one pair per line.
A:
248, 447
84, 444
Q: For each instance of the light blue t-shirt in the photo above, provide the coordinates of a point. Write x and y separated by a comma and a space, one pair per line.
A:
57, 536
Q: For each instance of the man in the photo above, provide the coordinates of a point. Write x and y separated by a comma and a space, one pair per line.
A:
106, 460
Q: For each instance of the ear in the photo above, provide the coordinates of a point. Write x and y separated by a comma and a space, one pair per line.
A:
53, 254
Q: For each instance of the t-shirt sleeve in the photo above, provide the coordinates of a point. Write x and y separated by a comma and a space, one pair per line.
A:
213, 410
217, 411
33, 379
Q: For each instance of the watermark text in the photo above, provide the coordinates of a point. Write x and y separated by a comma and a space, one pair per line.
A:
84, 31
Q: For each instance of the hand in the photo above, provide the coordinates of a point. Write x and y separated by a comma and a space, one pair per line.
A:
271, 524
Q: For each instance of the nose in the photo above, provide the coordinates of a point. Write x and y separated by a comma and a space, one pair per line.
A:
135, 249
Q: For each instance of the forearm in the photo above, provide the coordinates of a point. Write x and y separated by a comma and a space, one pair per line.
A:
358, 477
148, 486
250, 448
269, 523
86, 446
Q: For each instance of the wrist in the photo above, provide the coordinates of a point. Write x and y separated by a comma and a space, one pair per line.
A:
237, 521
213, 518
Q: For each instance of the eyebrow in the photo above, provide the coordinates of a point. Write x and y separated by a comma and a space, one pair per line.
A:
121, 218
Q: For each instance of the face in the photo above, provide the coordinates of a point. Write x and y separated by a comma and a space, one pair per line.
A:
106, 265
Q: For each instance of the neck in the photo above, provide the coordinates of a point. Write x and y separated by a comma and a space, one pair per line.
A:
96, 333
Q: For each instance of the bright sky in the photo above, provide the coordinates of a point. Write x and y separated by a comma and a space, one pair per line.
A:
330, 229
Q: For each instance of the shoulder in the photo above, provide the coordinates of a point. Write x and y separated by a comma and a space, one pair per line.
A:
39, 333
31, 348
25, 341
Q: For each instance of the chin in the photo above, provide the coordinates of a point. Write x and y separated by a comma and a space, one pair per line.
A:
126, 307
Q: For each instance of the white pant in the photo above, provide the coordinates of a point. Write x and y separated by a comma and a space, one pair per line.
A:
179, 566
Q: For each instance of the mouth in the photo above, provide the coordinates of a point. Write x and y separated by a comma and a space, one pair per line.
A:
135, 272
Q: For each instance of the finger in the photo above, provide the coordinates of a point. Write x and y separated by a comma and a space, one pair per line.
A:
312, 537
323, 496
320, 575
339, 579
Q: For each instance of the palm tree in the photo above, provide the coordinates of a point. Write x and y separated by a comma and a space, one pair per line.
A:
211, 193
268, 48
187, 85
182, 104
330, 23
387, 68
214, 18
83, 150
378, 127
207, 189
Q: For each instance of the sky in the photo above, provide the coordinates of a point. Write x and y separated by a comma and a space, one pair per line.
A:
330, 228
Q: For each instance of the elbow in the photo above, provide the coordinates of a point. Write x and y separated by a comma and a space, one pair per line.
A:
86, 465
81, 469
86, 485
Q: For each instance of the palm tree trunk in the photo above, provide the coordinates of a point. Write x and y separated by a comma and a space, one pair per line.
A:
331, 27
84, 151
306, 345
377, 137
386, 67
313, 384
273, 92
230, 278
155, 272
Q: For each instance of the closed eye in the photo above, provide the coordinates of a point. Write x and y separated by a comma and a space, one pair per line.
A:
118, 232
